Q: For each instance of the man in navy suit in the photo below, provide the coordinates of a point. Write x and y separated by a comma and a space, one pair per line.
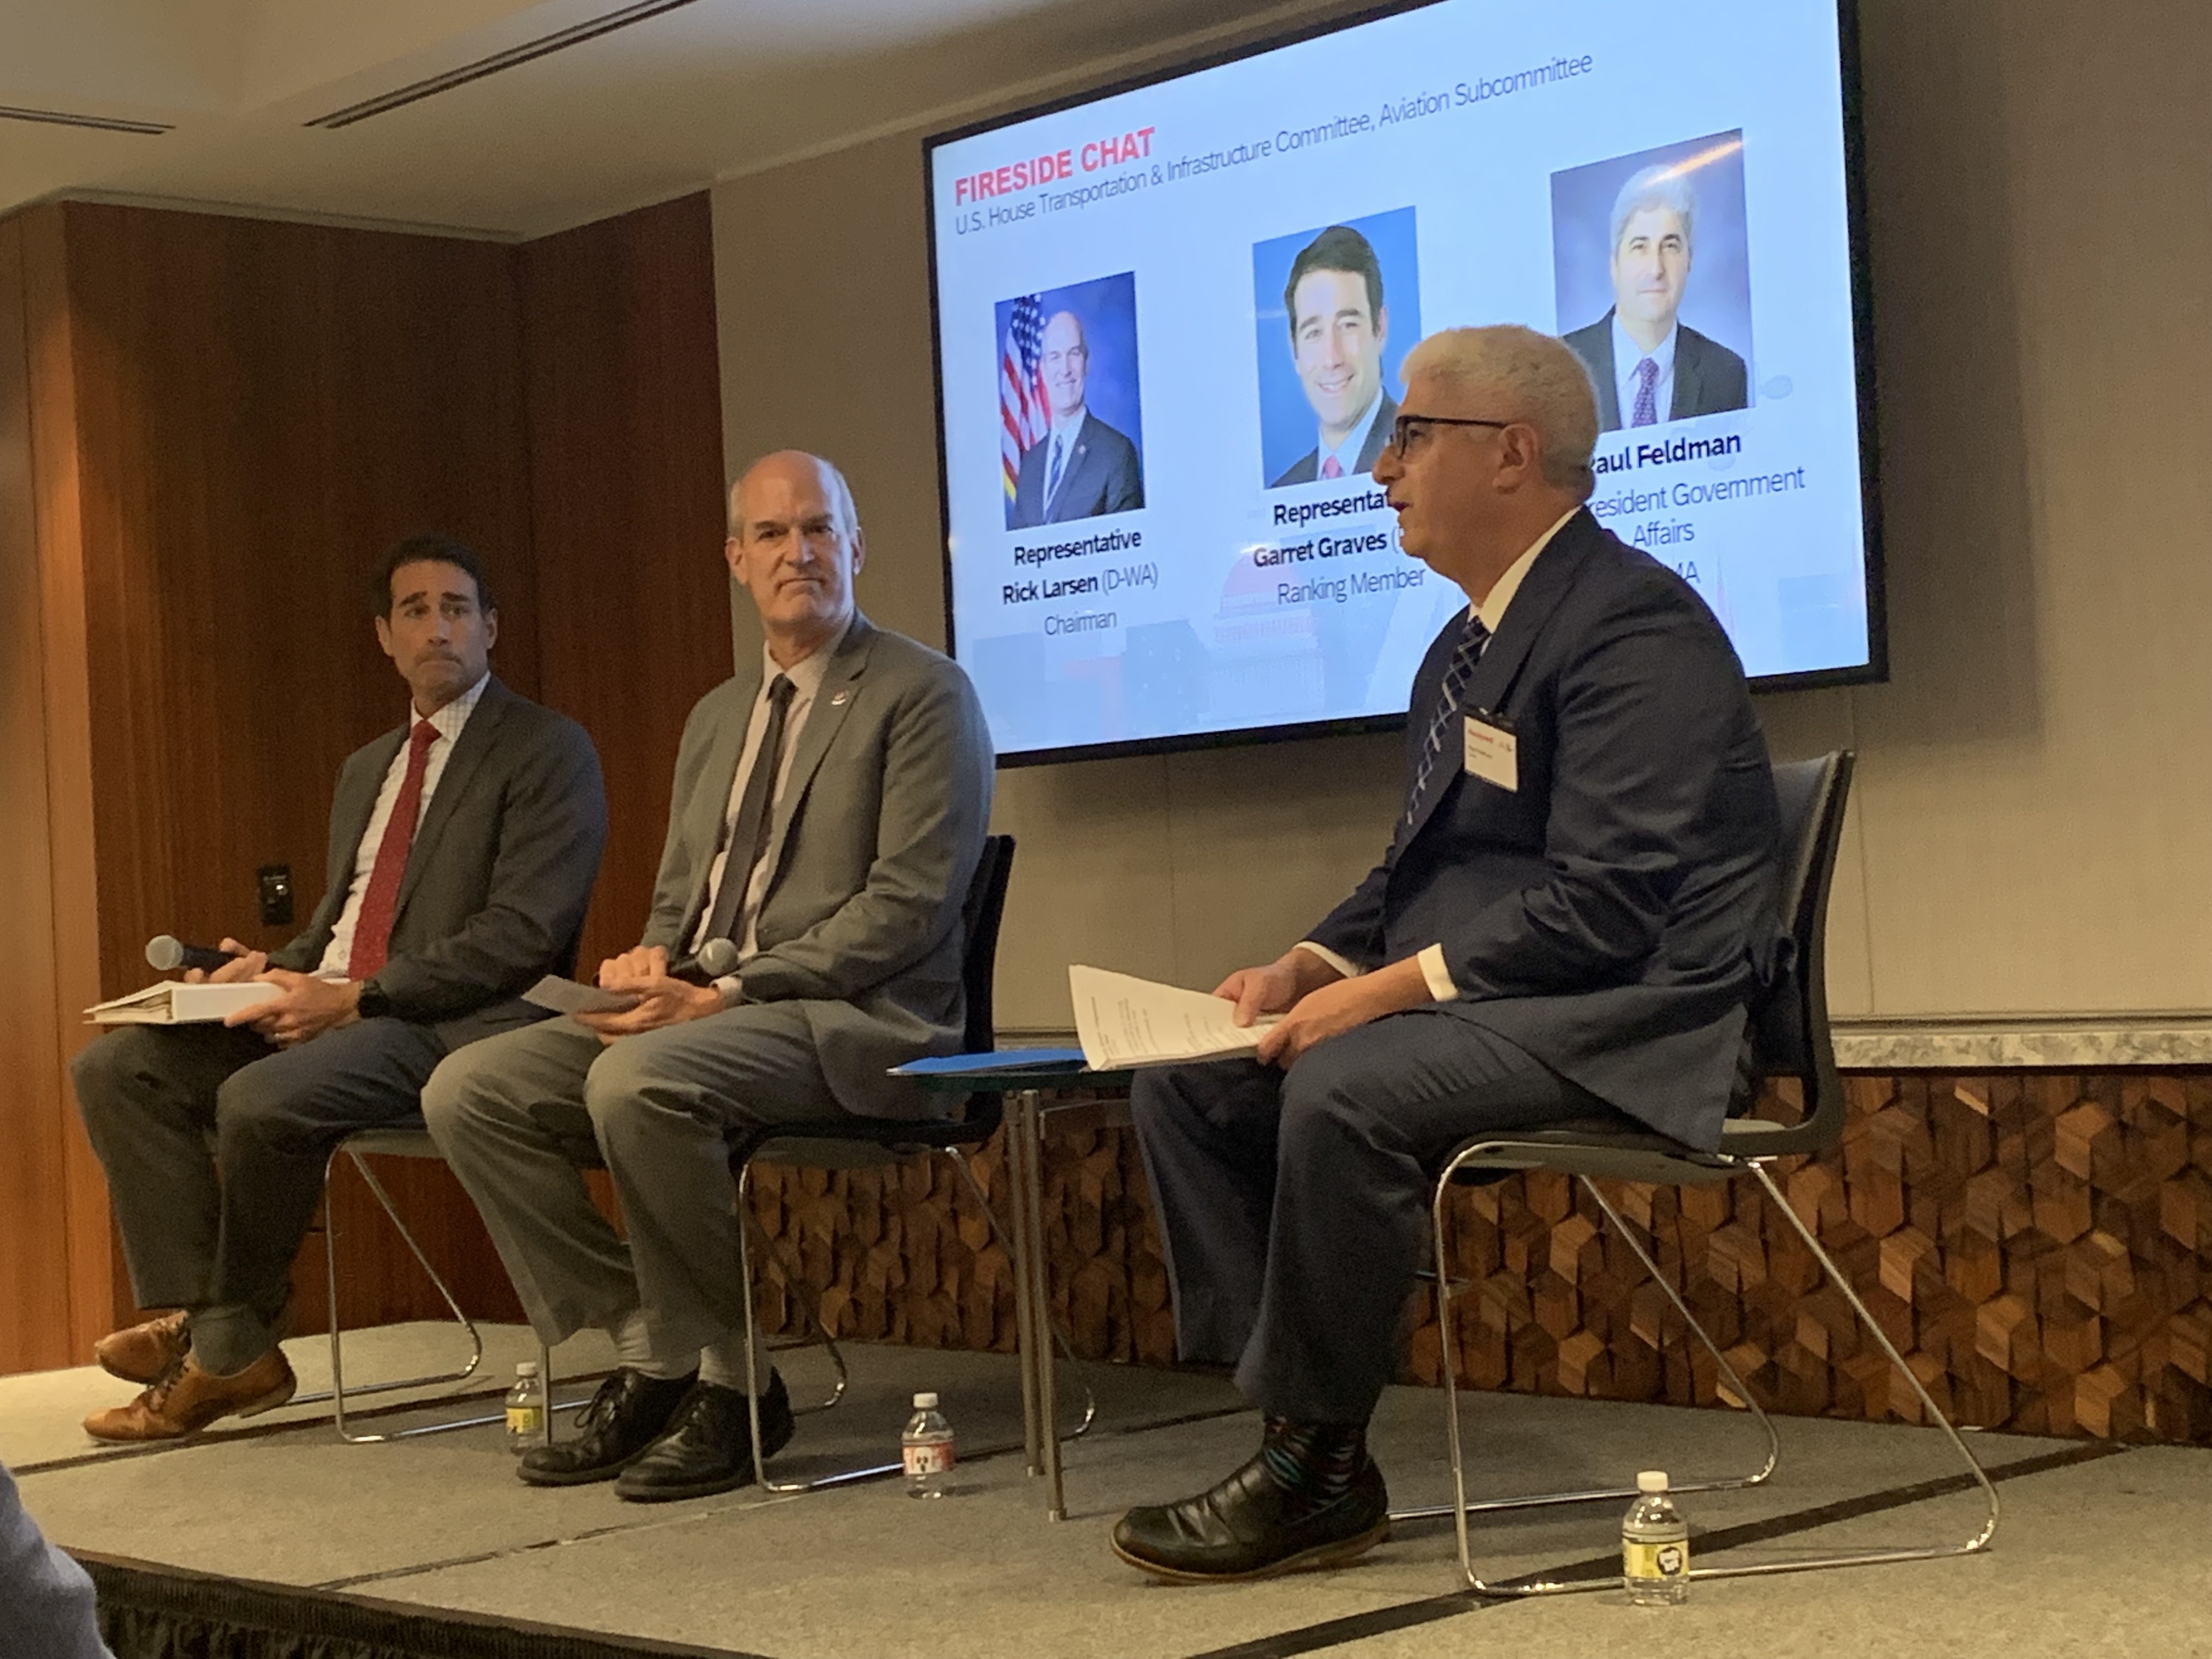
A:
1578, 905
1339, 326
1645, 359
1081, 467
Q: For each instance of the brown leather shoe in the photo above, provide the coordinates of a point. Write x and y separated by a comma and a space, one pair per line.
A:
144, 1353
189, 1399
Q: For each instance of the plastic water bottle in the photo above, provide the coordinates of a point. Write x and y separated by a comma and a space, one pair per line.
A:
926, 1448
525, 1409
1655, 1546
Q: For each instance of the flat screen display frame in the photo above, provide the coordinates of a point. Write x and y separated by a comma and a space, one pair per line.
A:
1874, 672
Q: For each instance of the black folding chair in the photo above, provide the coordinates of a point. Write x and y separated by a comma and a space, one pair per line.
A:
1790, 1039
880, 1140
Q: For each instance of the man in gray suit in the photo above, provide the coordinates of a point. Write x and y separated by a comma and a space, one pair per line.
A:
829, 812
463, 849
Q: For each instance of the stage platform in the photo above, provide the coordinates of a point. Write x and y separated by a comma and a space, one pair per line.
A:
435, 1544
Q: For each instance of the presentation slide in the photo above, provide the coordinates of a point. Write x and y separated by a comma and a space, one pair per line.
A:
1172, 321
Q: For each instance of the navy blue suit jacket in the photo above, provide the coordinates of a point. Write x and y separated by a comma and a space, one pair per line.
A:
1101, 475
1616, 915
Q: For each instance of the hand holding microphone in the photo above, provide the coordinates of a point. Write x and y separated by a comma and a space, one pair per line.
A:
224, 965
712, 959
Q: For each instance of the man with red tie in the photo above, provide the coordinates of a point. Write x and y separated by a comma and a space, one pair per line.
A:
463, 849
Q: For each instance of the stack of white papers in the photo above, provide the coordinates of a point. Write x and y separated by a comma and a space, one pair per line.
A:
1125, 1021
174, 1003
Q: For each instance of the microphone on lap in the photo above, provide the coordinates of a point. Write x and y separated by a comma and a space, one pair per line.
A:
704, 966
168, 953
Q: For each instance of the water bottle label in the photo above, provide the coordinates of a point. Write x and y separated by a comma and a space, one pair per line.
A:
1654, 1560
927, 1457
525, 1419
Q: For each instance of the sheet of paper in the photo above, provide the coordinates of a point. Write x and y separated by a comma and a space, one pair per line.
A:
1122, 1020
565, 996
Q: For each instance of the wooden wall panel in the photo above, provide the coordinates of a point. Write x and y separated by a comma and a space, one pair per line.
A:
34, 1267
263, 408
2039, 1246
64, 609
627, 513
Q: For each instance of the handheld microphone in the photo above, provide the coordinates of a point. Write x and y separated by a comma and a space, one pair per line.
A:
168, 954
716, 957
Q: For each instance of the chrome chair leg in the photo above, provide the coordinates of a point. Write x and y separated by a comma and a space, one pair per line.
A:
810, 1304
1461, 1509
753, 1378
1734, 1384
1059, 1336
337, 1393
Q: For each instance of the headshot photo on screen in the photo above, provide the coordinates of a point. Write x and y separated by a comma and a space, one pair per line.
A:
1652, 262
1338, 308
1071, 442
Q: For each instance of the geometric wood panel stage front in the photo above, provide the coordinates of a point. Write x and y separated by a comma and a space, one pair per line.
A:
2038, 1244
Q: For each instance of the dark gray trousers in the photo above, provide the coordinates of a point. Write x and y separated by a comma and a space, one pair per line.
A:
213, 1143
1293, 1206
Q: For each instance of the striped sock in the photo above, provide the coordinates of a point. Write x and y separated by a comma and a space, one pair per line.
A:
1319, 1461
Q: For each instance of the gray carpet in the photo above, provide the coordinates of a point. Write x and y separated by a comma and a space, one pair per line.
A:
440, 1522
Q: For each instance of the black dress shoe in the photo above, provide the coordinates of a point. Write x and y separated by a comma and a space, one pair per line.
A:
709, 1445
625, 1416
1252, 1526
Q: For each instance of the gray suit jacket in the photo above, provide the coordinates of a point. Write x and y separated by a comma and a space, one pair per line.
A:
497, 876
873, 847
1708, 377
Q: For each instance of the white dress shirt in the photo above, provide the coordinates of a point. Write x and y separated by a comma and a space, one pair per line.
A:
1491, 612
337, 955
805, 676
1347, 453
1626, 354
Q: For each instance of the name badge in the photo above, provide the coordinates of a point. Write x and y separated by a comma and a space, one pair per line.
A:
1492, 753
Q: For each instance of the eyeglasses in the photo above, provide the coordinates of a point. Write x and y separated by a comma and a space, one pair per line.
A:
1407, 427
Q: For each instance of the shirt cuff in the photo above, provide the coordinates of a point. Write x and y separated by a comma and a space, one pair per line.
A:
733, 989
1438, 976
1328, 956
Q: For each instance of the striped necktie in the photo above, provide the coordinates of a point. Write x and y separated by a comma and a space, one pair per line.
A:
1052, 472
1473, 637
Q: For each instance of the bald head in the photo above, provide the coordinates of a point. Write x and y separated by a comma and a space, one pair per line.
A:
791, 464
795, 545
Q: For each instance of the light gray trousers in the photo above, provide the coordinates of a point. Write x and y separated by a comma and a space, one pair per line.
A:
515, 1115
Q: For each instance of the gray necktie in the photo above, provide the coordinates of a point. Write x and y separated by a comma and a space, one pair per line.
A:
748, 830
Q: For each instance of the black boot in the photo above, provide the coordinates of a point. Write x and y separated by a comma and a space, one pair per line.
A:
625, 1416
709, 1445
1311, 1496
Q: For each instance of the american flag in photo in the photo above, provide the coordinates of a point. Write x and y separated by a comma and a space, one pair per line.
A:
1022, 418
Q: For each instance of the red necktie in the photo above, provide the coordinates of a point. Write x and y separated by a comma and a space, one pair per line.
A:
371, 929
1332, 468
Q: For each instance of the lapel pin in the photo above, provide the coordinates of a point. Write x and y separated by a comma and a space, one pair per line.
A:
838, 700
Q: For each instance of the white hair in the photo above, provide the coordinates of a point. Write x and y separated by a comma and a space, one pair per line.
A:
841, 493
1526, 377
1655, 187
